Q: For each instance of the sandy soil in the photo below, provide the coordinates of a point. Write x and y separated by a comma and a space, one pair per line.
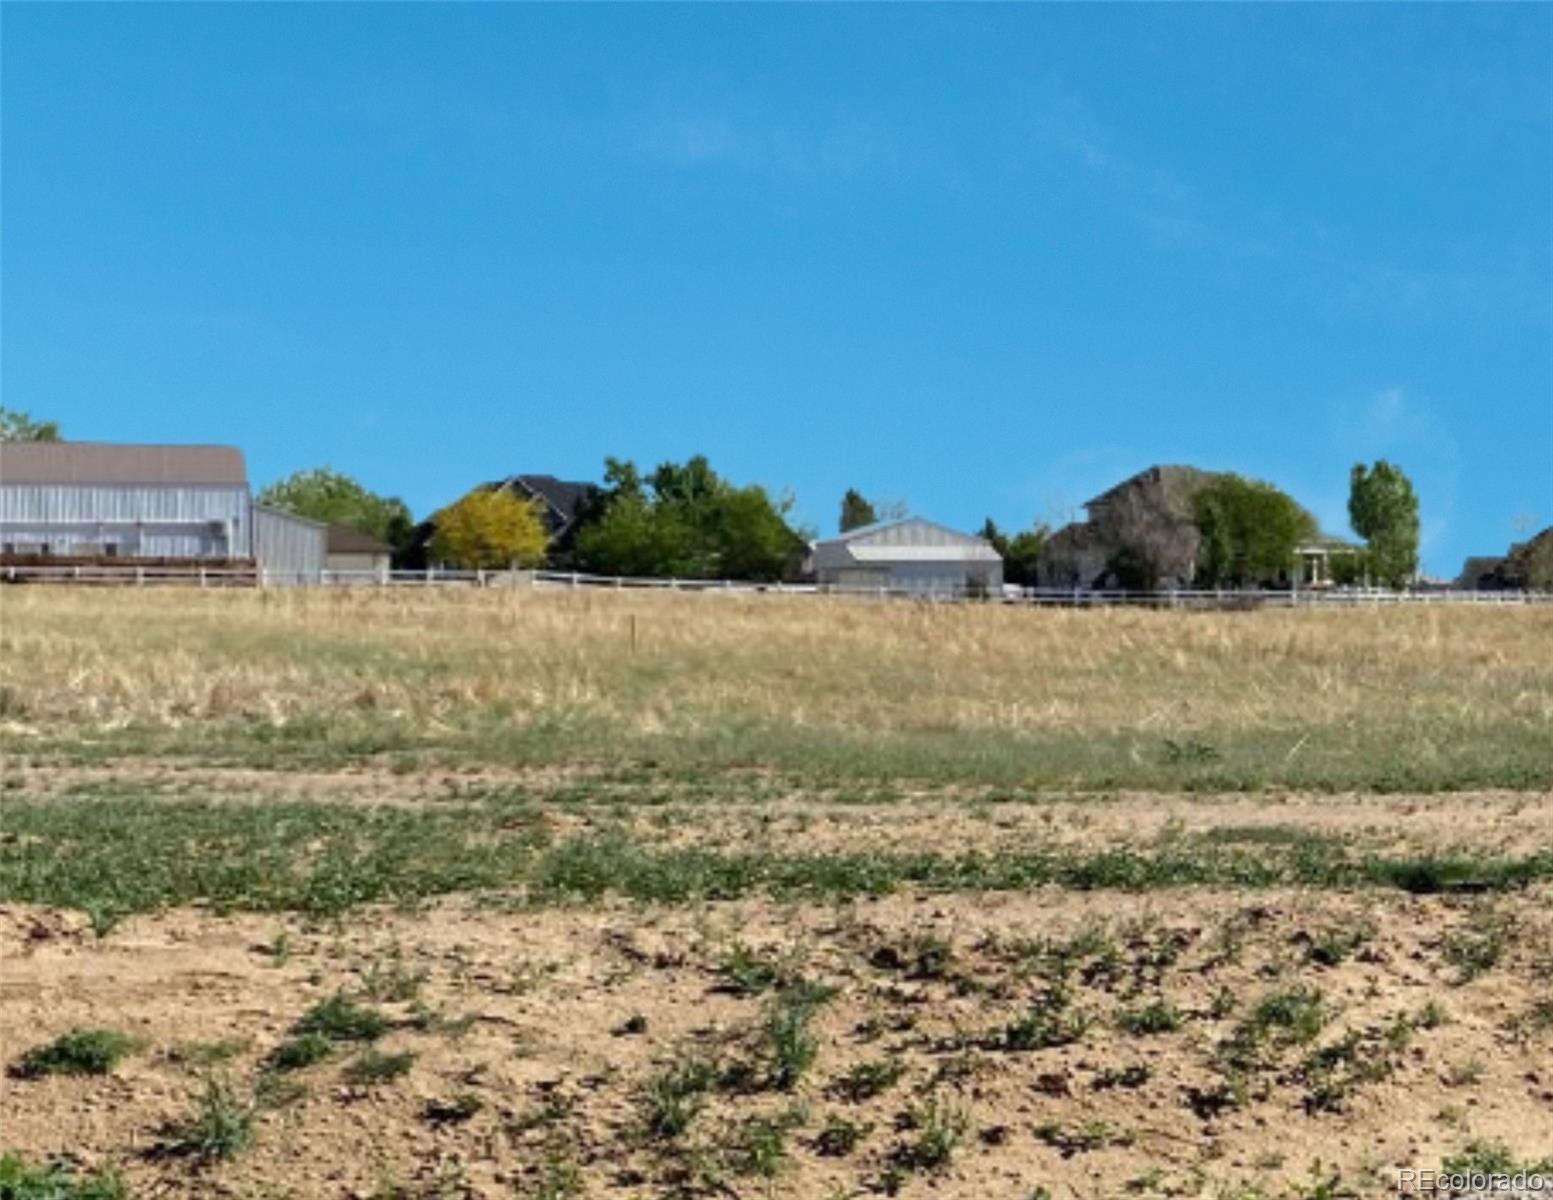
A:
945, 819
556, 1021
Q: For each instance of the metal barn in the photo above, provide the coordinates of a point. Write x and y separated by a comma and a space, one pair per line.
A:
290, 549
910, 555
91, 498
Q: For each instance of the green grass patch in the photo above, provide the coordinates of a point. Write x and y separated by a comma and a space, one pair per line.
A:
342, 1019
220, 1126
114, 857
303, 1050
79, 1052
21, 1180
373, 1067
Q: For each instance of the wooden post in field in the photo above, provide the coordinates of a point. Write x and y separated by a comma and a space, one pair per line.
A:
633, 633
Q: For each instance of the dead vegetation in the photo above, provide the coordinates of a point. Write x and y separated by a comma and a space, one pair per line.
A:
1413, 699
417, 896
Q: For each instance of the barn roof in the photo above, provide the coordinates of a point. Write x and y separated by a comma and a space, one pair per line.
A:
116, 463
863, 532
932, 543
345, 540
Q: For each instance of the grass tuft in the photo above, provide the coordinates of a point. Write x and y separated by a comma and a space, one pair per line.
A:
78, 1052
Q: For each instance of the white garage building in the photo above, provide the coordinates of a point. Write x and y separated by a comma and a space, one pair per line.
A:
910, 555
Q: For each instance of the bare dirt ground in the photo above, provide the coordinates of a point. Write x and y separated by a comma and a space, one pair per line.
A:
537, 1037
943, 819
1171, 1017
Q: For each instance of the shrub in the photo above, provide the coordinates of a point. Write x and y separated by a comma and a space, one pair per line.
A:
373, 1066
220, 1127
301, 1051
341, 1019
21, 1181
1159, 1017
674, 1097
79, 1052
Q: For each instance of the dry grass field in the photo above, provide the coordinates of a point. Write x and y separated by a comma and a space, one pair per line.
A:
555, 895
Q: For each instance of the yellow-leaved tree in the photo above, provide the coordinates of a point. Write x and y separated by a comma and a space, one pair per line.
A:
489, 530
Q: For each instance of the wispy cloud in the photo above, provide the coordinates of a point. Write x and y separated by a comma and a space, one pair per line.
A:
1151, 196
1391, 423
687, 141
845, 146
1175, 214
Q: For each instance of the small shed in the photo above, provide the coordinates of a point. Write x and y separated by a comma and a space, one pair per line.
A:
911, 555
351, 550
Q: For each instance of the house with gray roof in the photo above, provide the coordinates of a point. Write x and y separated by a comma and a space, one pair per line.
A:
563, 505
1142, 533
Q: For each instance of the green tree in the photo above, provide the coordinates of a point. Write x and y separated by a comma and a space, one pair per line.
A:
1383, 510
1020, 553
856, 511
685, 521
324, 494
1249, 531
20, 427
635, 537
1024, 553
488, 530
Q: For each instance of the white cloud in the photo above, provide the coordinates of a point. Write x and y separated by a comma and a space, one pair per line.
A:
845, 146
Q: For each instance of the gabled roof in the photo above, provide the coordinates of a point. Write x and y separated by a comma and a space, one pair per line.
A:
345, 540
941, 545
564, 498
864, 531
286, 515
115, 463
1161, 475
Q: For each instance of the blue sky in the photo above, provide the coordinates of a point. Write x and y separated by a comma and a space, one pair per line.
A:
987, 260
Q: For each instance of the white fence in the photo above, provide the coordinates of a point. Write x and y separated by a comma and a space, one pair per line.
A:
130, 575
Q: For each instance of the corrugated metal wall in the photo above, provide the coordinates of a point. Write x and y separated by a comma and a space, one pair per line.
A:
913, 556
290, 549
147, 520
